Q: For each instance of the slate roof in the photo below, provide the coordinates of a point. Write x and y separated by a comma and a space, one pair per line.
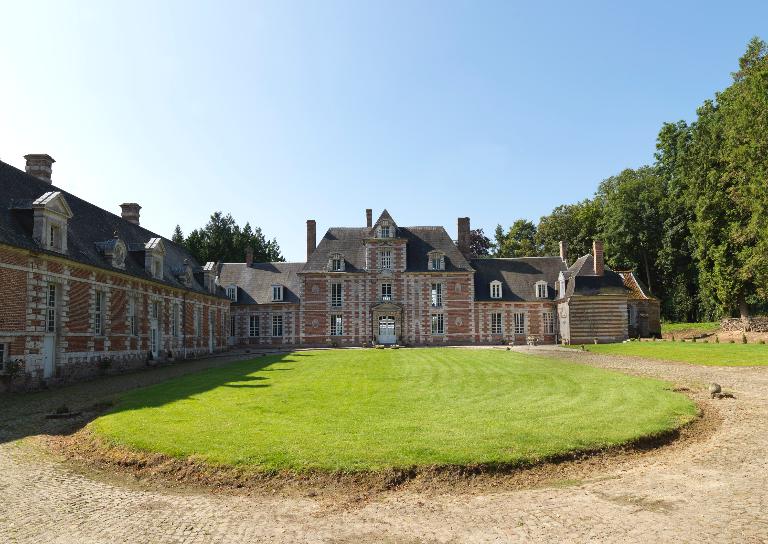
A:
637, 290
255, 282
581, 279
90, 231
349, 242
518, 277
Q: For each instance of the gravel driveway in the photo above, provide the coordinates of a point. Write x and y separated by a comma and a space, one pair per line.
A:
713, 489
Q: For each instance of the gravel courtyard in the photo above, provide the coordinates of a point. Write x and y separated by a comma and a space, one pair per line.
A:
711, 489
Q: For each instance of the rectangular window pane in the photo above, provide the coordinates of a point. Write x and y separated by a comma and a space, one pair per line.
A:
336, 325
385, 259
437, 295
277, 325
519, 323
438, 324
51, 312
496, 325
232, 326
549, 323
2, 354
97, 318
335, 294
253, 326
386, 292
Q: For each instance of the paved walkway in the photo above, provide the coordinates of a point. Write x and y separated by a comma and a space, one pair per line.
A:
711, 490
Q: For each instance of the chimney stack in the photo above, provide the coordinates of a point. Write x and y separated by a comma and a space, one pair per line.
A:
368, 217
463, 228
248, 256
131, 212
311, 237
40, 165
597, 254
564, 251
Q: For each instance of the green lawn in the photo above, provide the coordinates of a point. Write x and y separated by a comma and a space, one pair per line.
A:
689, 352
350, 410
689, 327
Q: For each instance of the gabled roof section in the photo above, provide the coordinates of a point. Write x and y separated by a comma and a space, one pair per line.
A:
55, 202
582, 280
255, 282
518, 277
385, 217
155, 245
637, 290
88, 228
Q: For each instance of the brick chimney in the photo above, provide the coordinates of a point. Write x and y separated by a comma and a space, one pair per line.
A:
131, 212
463, 240
564, 251
39, 165
368, 217
311, 237
248, 256
597, 253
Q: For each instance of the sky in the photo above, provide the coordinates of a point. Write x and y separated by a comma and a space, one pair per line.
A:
279, 112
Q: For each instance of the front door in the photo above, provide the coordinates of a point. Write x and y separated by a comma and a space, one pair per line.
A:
49, 355
387, 330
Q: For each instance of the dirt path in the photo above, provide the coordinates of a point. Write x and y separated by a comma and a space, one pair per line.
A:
711, 490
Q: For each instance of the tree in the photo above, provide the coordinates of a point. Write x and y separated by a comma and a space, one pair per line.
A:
576, 224
178, 236
518, 241
479, 244
223, 240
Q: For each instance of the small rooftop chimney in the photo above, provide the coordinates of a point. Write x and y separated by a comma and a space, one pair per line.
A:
597, 253
40, 165
311, 237
131, 212
463, 229
368, 217
248, 256
564, 251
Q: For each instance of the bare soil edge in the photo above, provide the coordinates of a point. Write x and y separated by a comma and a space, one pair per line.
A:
86, 452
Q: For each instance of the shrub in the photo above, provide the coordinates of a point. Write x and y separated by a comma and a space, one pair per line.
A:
717, 339
673, 338
743, 338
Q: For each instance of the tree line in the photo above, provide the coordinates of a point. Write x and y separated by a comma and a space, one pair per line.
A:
693, 224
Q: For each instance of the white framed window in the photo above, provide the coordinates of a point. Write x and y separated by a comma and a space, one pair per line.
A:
497, 326
436, 295
54, 239
98, 314
336, 295
253, 326
133, 325
50, 316
277, 293
277, 325
232, 293
337, 325
175, 320
495, 289
157, 268
386, 292
436, 261
519, 323
548, 320
385, 231
336, 264
232, 326
385, 259
541, 289
438, 324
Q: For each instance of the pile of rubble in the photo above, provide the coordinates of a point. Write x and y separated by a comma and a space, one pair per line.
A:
751, 324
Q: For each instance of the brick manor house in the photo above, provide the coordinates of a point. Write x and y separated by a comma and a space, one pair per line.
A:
84, 291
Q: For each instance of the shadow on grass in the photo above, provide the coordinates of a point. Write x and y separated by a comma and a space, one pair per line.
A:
23, 415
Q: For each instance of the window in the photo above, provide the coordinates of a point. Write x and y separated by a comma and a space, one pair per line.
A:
386, 292
175, 320
436, 293
436, 261
50, 316
519, 323
2, 356
337, 264
277, 293
384, 231
541, 289
336, 325
196, 320
385, 259
335, 294
496, 323
495, 289
154, 309
438, 324
55, 237
98, 316
199, 322
132, 322
549, 322
253, 326
232, 326
277, 325
232, 293
157, 268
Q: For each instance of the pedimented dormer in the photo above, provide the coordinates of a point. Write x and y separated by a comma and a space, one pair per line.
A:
51, 214
436, 260
336, 262
385, 227
154, 257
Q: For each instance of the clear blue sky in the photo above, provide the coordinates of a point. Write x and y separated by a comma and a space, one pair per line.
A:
282, 111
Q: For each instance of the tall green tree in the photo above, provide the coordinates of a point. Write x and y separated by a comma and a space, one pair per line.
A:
518, 241
577, 224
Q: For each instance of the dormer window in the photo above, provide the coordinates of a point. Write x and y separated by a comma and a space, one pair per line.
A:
336, 263
154, 255
436, 260
277, 293
496, 289
232, 293
541, 289
385, 231
55, 238
51, 213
